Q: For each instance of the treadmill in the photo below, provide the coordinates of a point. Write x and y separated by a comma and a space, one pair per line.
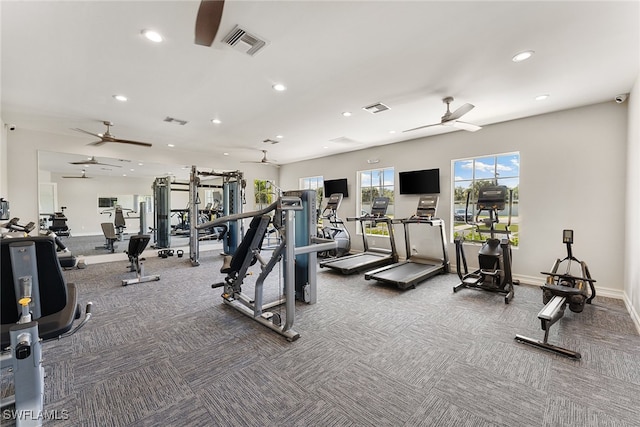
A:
408, 273
370, 258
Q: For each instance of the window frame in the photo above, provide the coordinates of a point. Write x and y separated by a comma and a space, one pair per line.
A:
386, 190
497, 177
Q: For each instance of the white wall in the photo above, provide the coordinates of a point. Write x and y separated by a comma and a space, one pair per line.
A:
632, 243
572, 176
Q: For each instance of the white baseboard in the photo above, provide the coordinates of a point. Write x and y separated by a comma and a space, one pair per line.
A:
634, 314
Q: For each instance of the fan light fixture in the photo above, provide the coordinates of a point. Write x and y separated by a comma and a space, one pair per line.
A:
522, 56
152, 35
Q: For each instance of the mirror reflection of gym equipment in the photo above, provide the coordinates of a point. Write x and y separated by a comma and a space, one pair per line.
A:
562, 289
494, 257
416, 269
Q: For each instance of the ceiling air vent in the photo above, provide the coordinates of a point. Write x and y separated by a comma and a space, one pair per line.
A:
376, 108
243, 41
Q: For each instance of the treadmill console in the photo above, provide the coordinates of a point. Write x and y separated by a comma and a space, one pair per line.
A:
427, 207
379, 207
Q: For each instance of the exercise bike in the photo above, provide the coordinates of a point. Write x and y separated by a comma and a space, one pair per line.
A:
334, 229
560, 290
494, 257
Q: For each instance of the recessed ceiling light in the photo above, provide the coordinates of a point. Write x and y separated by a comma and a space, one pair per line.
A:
154, 36
170, 145
279, 87
131, 170
542, 97
140, 164
120, 98
392, 131
124, 174
225, 154
522, 56
216, 121
325, 147
347, 114
279, 136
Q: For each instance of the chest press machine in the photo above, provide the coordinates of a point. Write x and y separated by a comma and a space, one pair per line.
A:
560, 290
248, 253
37, 305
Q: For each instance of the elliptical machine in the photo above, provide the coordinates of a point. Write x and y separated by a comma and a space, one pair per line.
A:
494, 258
559, 290
335, 230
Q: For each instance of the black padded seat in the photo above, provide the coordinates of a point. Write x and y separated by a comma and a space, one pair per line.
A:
109, 232
58, 299
234, 265
137, 244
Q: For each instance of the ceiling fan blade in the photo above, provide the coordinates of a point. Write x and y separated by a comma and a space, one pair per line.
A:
466, 126
97, 143
422, 127
460, 112
208, 21
126, 141
87, 132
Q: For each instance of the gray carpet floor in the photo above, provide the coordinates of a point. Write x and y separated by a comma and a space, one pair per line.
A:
171, 353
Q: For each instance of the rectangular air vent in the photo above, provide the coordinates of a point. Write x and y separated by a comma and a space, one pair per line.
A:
376, 108
243, 41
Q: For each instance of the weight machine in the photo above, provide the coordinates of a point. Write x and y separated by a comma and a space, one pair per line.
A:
230, 233
287, 211
560, 290
37, 306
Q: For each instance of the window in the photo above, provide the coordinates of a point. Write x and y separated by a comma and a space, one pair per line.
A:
263, 193
314, 183
472, 174
375, 183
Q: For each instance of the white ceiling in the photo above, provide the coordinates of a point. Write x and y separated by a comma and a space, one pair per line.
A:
63, 61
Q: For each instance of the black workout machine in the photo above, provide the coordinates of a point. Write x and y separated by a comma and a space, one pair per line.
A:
334, 228
248, 252
59, 223
15, 229
137, 245
370, 258
494, 257
416, 269
37, 305
559, 290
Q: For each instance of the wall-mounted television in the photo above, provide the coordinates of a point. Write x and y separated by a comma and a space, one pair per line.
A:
333, 186
425, 181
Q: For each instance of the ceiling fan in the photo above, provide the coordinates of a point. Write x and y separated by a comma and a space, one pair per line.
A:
93, 161
107, 137
451, 119
264, 160
208, 21
83, 176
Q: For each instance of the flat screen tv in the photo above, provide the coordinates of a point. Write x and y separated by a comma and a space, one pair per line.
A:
420, 182
333, 186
